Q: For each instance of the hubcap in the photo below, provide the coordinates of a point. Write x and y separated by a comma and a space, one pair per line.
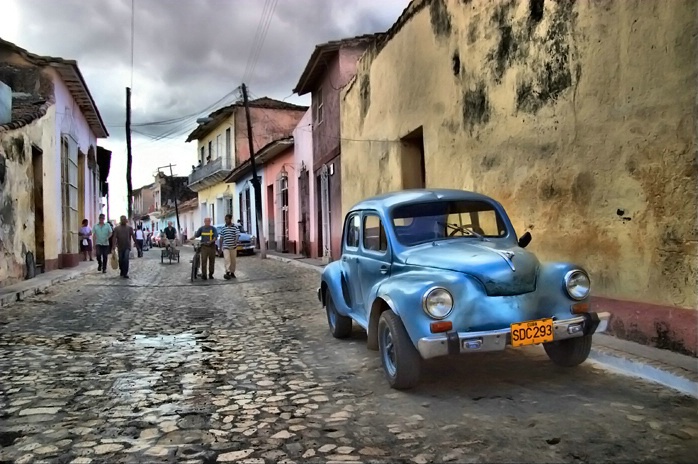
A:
388, 351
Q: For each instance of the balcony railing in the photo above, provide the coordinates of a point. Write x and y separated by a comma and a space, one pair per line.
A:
206, 170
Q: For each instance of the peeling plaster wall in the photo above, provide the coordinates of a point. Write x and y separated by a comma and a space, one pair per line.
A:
17, 236
578, 116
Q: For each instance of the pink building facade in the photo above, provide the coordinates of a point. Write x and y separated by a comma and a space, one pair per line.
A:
330, 68
280, 207
304, 215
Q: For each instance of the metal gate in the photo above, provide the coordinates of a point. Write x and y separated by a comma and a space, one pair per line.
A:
304, 216
325, 202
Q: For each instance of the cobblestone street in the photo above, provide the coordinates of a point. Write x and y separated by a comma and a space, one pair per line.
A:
156, 369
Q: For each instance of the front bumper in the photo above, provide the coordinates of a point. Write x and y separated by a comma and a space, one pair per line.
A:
245, 248
497, 340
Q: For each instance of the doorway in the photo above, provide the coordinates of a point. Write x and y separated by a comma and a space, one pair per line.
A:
81, 188
318, 210
271, 239
412, 160
304, 214
38, 165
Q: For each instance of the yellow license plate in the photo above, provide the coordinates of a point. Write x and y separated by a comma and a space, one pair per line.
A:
532, 332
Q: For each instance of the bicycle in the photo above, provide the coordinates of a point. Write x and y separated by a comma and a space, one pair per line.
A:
196, 261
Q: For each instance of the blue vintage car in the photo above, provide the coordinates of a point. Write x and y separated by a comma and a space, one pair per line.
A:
431, 273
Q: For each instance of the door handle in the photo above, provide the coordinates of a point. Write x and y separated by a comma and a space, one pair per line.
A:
344, 258
384, 269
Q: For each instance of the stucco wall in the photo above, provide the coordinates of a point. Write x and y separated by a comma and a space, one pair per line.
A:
267, 125
211, 196
578, 116
303, 156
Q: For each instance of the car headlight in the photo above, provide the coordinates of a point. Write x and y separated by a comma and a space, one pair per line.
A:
577, 284
438, 303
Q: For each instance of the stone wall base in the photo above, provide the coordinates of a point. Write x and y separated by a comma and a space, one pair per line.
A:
665, 327
68, 260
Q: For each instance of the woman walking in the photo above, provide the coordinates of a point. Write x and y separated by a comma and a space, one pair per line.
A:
85, 235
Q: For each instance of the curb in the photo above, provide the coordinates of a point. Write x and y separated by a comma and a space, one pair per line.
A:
613, 360
296, 262
9, 298
643, 368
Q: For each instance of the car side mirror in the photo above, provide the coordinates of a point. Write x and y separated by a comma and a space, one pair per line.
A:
525, 240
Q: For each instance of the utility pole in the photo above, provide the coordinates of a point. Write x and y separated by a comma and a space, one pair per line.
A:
129, 158
174, 187
255, 179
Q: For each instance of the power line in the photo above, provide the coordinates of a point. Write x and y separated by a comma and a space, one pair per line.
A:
260, 37
256, 37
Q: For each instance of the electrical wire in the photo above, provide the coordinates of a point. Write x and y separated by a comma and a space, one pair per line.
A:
260, 38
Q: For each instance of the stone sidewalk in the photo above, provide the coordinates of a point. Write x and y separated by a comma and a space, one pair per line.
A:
667, 368
17, 292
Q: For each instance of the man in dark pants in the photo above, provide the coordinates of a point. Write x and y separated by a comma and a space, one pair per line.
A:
102, 234
208, 235
123, 236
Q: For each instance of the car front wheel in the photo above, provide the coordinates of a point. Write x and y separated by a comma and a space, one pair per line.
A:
340, 326
569, 353
401, 360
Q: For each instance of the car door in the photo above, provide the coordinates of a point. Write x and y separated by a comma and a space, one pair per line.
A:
350, 255
374, 263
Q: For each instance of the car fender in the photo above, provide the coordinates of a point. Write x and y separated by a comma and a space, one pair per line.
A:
331, 282
551, 286
403, 295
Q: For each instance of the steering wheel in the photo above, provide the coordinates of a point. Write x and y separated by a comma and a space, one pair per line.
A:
462, 229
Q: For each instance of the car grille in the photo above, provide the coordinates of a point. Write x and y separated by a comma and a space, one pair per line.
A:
245, 242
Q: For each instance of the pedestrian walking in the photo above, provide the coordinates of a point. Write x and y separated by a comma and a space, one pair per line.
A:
102, 234
85, 236
209, 236
123, 235
228, 236
140, 239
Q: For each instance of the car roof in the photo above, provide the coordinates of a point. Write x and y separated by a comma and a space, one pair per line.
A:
393, 199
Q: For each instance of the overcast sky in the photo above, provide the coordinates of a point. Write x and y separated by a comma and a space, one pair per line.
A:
188, 54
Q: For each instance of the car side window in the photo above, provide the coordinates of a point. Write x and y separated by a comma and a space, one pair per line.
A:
374, 234
351, 238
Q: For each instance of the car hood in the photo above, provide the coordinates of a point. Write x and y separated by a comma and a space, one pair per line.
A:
243, 237
502, 270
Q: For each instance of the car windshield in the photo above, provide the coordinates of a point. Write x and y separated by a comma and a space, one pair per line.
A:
442, 220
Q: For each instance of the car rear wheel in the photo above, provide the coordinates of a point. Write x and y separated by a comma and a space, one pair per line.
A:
401, 360
340, 326
569, 353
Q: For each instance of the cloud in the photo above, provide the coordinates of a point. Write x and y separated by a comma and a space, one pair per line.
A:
187, 55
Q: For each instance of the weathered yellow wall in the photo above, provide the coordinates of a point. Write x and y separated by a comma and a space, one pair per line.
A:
582, 124
228, 123
212, 194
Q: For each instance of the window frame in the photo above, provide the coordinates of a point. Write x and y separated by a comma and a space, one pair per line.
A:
364, 218
319, 107
345, 245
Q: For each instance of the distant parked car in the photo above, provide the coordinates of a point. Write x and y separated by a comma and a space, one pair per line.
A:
431, 273
245, 242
